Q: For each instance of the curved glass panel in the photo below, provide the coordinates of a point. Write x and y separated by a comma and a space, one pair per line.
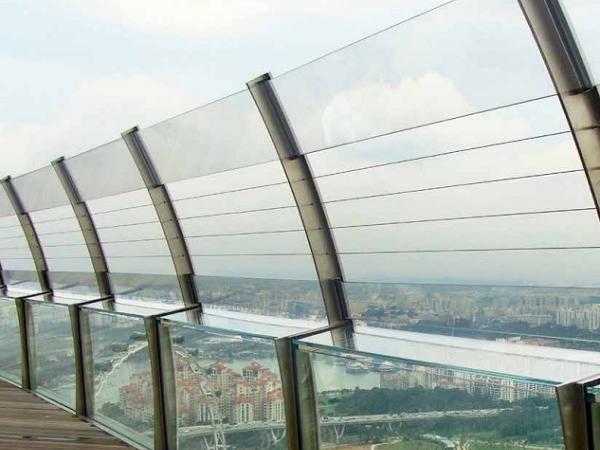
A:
193, 144
18, 268
40, 189
435, 67
104, 171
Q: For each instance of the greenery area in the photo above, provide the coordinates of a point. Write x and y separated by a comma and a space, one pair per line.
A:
409, 445
417, 399
527, 421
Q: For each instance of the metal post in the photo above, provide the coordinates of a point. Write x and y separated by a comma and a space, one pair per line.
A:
161, 440
572, 408
27, 381
166, 215
168, 385
30, 234
306, 194
82, 350
579, 97
298, 386
88, 229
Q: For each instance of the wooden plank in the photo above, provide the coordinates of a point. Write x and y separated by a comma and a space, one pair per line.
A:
28, 422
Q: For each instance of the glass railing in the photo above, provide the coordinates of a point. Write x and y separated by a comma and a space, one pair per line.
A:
227, 387
366, 399
10, 356
119, 394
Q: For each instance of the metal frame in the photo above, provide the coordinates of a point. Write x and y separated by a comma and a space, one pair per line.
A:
578, 414
88, 229
579, 97
298, 386
33, 241
306, 194
166, 215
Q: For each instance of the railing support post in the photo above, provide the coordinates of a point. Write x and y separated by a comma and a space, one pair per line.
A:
163, 433
166, 215
579, 97
306, 194
31, 236
27, 375
88, 229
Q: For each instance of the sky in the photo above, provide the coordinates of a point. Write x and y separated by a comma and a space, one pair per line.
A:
77, 73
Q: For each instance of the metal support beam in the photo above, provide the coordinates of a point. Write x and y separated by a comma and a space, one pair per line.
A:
30, 234
306, 194
298, 386
88, 229
82, 352
166, 215
579, 97
161, 440
25, 324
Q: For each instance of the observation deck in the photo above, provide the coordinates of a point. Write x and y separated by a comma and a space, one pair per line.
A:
394, 246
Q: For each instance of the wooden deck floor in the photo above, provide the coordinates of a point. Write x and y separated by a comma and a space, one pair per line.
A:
27, 422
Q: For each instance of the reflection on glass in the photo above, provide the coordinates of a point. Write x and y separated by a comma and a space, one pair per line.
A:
527, 315
375, 402
294, 299
228, 389
122, 382
51, 341
10, 356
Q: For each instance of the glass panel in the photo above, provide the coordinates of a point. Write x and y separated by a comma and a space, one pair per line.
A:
10, 356
6, 208
228, 388
24, 280
138, 286
104, 171
193, 144
527, 359
40, 189
376, 401
583, 14
15, 256
122, 386
528, 315
435, 67
250, 296
51, 345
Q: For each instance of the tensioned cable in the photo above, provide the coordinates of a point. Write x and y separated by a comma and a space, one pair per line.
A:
60, 219
231, 213
472, 250
381, 252
449, 186
243, 233
479, 216
125, 208
51, 233
249, 188
447, 153
123, 241
145, 222
435, 122
8, 227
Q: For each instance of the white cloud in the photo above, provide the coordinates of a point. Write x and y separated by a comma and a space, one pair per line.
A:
96, 112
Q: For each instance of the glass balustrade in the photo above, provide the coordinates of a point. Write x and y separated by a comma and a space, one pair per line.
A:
51, 349
117, 365
227, 387
10, 356
373, 397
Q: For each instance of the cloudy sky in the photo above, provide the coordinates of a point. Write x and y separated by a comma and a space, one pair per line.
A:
77, 73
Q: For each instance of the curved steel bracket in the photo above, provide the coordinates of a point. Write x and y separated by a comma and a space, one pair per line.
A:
579, 97
88, 229
166, 215
31, 236
306, 194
